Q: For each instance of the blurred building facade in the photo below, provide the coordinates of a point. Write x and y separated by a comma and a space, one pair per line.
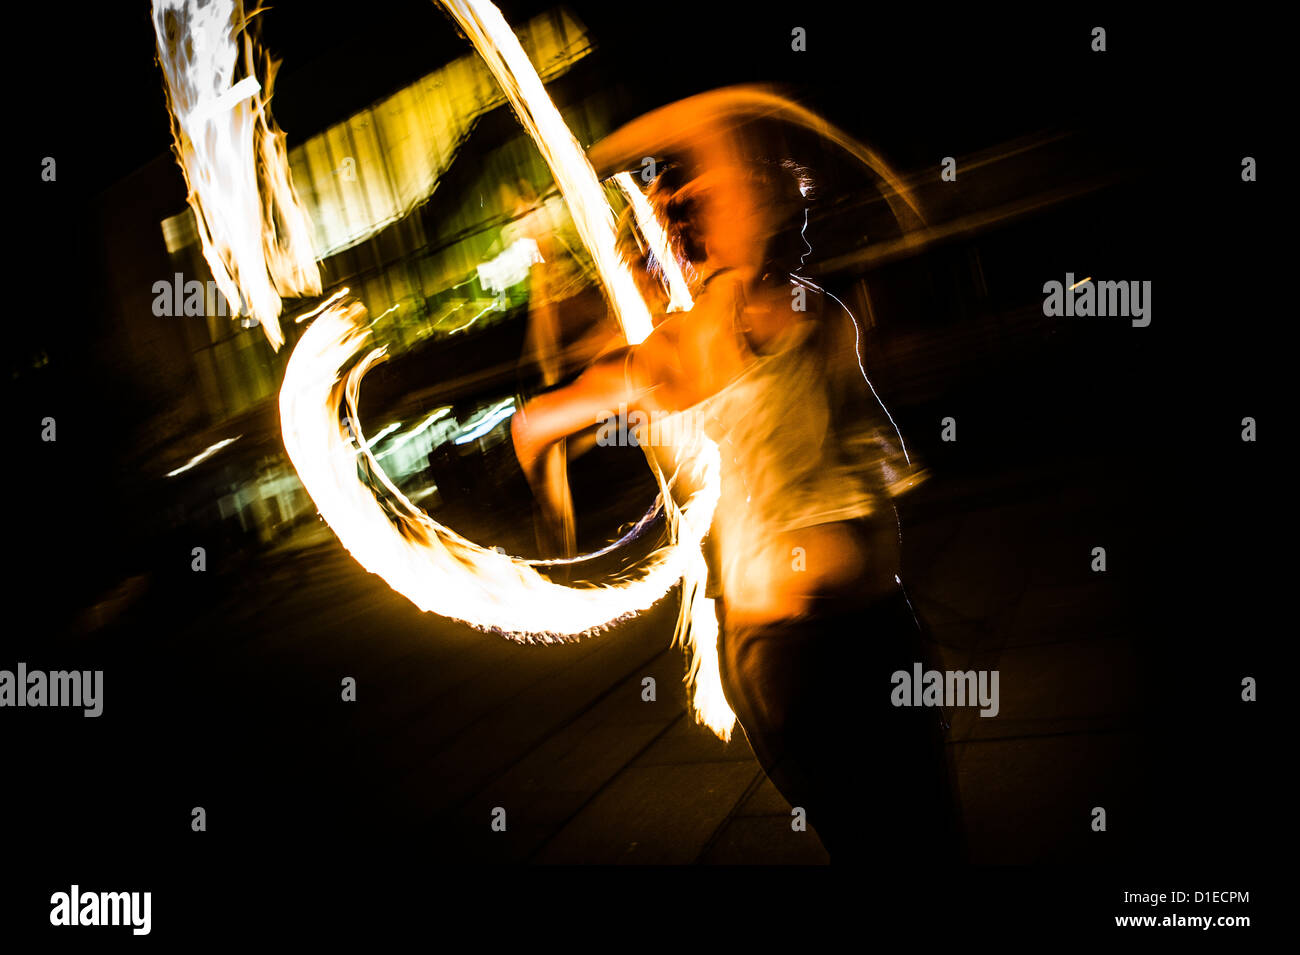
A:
416, 202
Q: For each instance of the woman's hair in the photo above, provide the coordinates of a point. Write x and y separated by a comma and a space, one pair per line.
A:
782, 187
646, 270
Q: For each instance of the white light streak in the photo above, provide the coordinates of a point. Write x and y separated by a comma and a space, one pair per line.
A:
203, 455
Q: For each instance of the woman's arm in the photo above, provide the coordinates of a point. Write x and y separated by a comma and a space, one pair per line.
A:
549, 418
539, 428
687, 357
645, 377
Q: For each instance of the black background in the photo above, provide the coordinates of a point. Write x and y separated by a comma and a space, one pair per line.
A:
1202, 513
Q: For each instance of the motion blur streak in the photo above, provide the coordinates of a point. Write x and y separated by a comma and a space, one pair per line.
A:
434, 567
505, 57
255, 234
697, 627
679, 295
700, 118
496, 43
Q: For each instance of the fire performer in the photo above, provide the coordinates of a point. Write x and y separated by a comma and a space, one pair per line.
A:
804, 550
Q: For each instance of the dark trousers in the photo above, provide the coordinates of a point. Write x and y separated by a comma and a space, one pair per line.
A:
814, 699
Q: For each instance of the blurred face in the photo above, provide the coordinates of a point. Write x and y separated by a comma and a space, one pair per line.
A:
734, 223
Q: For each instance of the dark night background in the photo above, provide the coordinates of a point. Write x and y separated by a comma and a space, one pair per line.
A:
1192, 517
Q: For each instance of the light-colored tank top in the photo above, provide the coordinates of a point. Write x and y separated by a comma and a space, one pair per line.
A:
789, 460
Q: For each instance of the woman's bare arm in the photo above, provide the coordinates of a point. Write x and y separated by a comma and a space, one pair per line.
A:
540, 427
553, 416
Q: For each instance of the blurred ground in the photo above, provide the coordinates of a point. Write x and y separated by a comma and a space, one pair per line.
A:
450, 723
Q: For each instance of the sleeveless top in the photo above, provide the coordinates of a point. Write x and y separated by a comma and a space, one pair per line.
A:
792, 455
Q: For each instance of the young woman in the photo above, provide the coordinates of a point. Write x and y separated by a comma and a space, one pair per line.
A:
804, 550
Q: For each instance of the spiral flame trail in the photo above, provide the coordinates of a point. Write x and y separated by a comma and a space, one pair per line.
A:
432, 566
697, 628
255, 233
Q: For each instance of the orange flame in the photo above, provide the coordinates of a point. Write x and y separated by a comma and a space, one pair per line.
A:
254, 234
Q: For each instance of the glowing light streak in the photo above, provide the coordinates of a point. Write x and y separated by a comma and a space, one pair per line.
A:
857, 353
591, 214
494, 417
461, 328
209, 108
337, 296
253, 230
203, 455
679, 294
255, 238
415, 432
383, 434
496, 43
435, 568
697, 625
